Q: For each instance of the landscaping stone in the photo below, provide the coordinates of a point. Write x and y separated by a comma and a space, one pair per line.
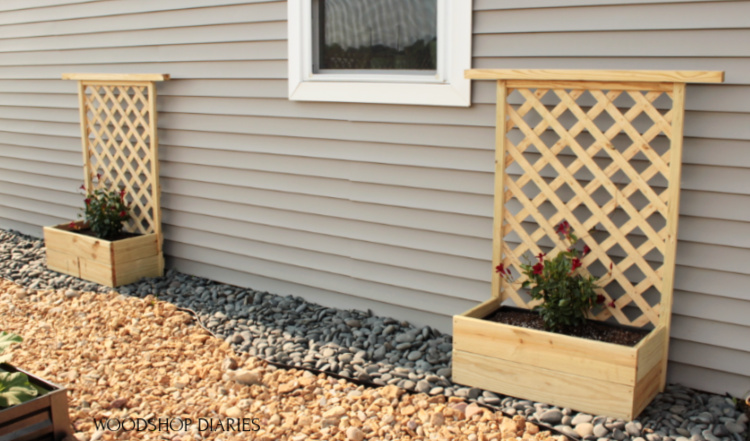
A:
382, 350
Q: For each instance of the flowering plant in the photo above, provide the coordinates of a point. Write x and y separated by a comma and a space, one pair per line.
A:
105, 212
566, 294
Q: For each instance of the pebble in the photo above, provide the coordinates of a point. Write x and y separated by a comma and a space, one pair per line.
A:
372, 348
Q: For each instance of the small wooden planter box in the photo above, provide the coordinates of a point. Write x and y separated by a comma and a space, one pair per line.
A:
45, 418
111, 263
586, 375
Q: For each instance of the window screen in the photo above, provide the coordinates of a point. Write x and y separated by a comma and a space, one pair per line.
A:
375, 35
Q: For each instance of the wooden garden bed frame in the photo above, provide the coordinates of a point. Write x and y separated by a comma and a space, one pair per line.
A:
45, 417
120, 148
589, 376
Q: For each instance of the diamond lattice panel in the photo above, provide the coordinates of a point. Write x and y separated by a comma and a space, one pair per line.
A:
121, 149
600, 160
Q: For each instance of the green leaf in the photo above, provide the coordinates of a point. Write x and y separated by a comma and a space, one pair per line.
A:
15, 389
7, 339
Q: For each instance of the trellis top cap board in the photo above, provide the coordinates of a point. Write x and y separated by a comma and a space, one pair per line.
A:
115, 77
651, 76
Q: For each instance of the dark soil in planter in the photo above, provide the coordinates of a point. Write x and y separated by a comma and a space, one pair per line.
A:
591, 330
121, 236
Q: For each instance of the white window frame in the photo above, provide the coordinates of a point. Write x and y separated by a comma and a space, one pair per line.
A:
447, 87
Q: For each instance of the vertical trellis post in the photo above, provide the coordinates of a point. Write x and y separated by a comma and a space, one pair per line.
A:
602, 151
120, 152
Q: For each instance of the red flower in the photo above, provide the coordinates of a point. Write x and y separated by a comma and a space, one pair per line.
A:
586, 250
611, 304
98, 176
610, 265
600, 299
123, 213
540, 256
576, 262
72, 224
500, 269
538, 268
82, 187
563, 227
87, 201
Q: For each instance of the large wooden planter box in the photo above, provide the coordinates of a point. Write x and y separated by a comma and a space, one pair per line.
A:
111, 263
585, 375
45, 418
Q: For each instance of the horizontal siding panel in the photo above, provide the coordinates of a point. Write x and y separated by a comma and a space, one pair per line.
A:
712, 307
371, 299
399, 296
477, 115
715, 231
242, 51
721, 283
708, 332
707, 379
415, 134
226, 33
40, 167
413, 226
43, 180
34, 220
711, 357
415, 177
73, 10
71, 200
715, 257
16, 225
214, 69
715, 205
49, 209
14, 5
185, 16
372, 151
33, 154
368, 251
630, 17
675, 43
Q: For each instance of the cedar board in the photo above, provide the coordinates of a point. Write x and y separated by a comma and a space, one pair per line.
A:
110, 263
585, 375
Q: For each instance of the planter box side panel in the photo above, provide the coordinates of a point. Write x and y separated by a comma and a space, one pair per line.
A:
135, 248
63, 262
544, 385
43, 418
80, 245
134, 270
602, 361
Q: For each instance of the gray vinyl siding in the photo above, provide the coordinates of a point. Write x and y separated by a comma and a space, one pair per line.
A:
378, 207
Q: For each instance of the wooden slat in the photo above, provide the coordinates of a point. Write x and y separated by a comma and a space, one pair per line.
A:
97, 272
135, 248
541, 384
79, 245
499, 200
114, 77
603, 361
628, 76
131, 271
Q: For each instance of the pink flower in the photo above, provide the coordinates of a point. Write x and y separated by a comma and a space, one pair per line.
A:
538, 268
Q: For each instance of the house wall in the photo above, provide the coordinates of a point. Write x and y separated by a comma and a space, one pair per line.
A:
378, 207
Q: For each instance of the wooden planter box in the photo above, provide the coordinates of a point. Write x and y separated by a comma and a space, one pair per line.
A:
111, 263
585, 375
45, 418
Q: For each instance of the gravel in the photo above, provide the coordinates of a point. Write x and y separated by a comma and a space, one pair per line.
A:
382, 350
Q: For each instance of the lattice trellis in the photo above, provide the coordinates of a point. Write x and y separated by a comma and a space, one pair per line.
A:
120, 143
603, 155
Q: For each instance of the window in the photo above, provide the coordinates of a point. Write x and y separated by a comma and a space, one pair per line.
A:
380, 51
